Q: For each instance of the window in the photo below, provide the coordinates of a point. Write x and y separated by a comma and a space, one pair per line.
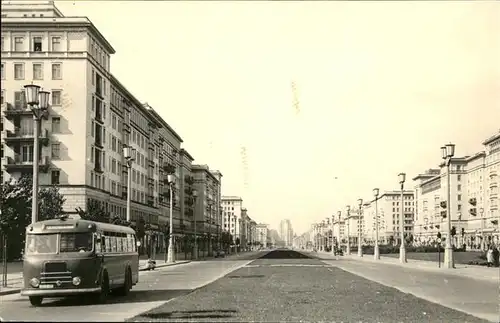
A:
41, 243
37, 71
56, 147
2, 97
3, 48
76, 242
27, 153
56, 71
56, 124
19, 71
55, 177
3, 71
56, 44
56, 97
18, 44
37, 44
19, 100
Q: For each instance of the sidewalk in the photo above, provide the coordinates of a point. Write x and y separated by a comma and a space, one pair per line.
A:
470, 271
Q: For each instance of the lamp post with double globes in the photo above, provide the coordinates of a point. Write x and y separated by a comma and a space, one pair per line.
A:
195, 251
38, 101
447, 153
402, 248
360, 244
339, 215
171, 255
376, 252
129, 159
348, 214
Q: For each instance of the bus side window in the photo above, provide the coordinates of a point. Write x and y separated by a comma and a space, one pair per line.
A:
98, 242
119, 247
103, 243
126, 247
113, 242
130, 239
107, 241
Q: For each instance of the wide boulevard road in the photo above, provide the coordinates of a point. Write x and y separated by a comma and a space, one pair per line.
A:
281, 285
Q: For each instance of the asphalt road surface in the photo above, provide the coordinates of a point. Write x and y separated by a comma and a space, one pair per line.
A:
281, 285
289, 286
154, 289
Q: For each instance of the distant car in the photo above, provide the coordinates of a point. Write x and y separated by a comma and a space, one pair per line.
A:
220, 254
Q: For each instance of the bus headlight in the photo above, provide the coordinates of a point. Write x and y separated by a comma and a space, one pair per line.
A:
76, 281
35, 282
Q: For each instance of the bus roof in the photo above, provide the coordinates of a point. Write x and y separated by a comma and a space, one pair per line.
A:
75, 225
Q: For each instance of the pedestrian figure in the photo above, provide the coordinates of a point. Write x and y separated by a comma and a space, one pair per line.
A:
489, 256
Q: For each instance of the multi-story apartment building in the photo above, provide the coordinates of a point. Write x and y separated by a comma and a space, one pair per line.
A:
286, 232
91, 117
263, 235
389, 214
253, 233
474, 198
208, 187
232, 206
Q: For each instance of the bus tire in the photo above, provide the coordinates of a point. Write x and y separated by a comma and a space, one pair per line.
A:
102, 297
36, 300
127, 284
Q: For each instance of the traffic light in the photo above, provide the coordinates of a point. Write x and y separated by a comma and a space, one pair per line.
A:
453, 231
463, 232
439, 235
443, 205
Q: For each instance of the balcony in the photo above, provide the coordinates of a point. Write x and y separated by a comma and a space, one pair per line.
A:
20, 135
150, 200
18, 164
11, 111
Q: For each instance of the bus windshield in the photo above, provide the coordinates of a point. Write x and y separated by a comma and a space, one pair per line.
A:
76, 242
69, 242
41, 243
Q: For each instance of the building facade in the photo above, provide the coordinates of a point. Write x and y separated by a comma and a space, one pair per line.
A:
232, 206
286, 232
207, 207
389, 206
263, 235
91, 117
474, 198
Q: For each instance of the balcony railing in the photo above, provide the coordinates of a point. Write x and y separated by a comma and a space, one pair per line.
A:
24, 163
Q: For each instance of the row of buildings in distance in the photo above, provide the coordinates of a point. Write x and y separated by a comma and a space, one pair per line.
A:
474, 207
91, 117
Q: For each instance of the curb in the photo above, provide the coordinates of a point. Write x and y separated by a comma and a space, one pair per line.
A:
180, 262
425, 268
18, 290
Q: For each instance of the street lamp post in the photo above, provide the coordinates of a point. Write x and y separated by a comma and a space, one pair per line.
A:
376, 251
195, 252
339, 214
129, 158
402, 248
360, 244
348, 214
171, 255
483, 247
333, 233
38, 102
447, 152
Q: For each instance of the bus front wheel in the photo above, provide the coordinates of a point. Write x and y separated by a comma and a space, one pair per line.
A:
36, 300
103, 295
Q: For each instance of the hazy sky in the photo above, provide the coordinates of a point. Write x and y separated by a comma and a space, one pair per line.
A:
381, 86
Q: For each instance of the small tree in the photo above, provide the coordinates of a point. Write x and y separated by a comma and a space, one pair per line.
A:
50, 203
95, 212
16, 206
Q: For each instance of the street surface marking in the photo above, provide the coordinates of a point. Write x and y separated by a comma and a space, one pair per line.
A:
288, 265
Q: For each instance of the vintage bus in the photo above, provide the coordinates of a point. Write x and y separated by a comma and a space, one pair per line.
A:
66, 256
